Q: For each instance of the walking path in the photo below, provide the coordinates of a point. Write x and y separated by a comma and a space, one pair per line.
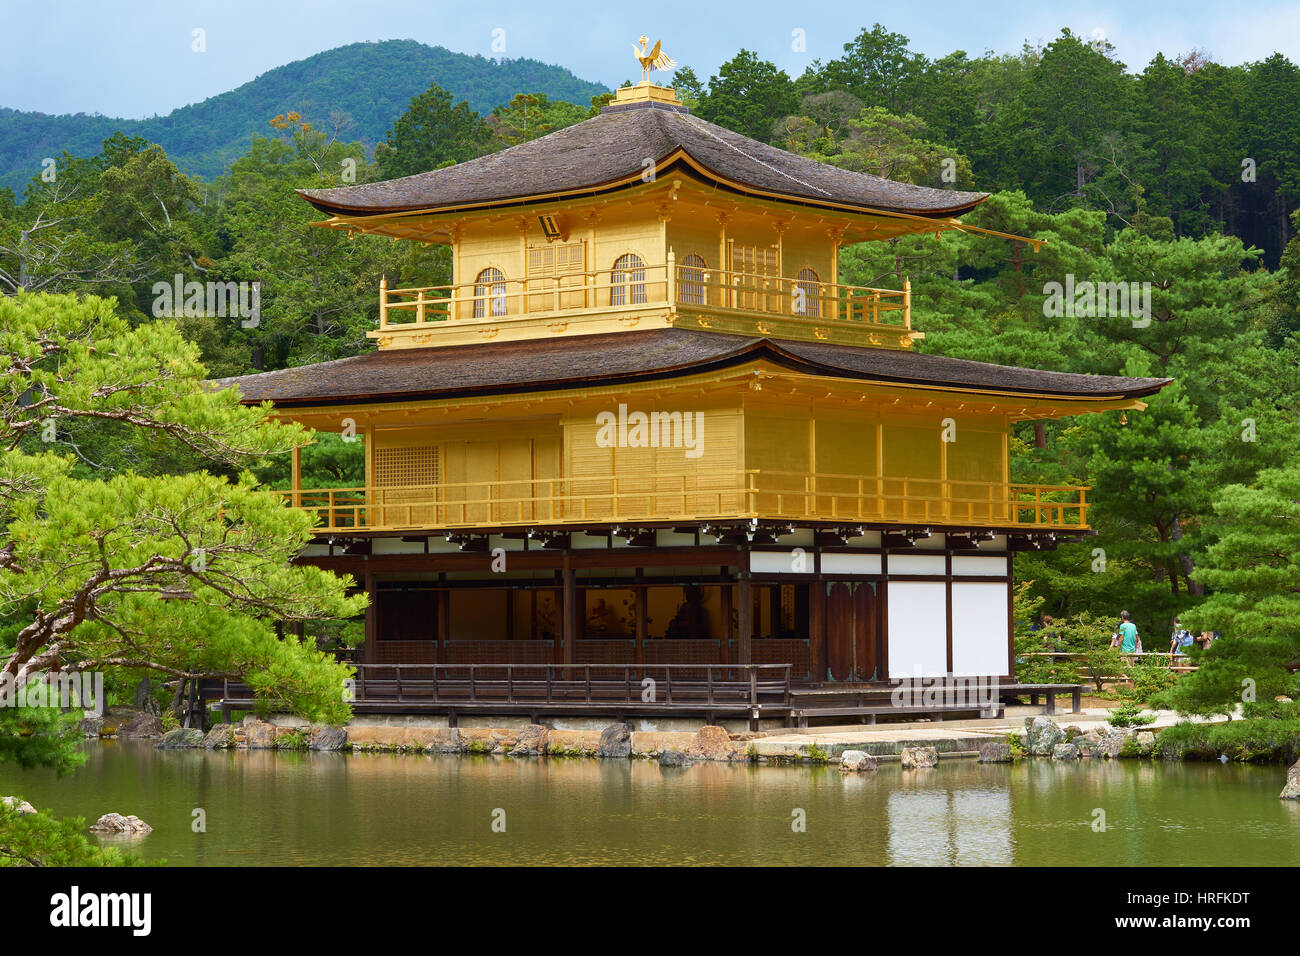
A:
950, 737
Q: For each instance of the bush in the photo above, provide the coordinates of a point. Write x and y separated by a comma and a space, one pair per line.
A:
1151, 677
1251, 739
1128, 715
41, 839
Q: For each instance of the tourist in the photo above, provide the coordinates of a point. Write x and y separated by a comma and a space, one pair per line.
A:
1049, 633
1180, 641
1126, 638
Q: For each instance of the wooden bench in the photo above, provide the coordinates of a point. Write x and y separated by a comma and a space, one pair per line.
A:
1034, 691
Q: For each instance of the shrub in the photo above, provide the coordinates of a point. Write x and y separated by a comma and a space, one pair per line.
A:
1251, 739
1128, 715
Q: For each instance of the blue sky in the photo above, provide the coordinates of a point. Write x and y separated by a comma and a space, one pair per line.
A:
133, 58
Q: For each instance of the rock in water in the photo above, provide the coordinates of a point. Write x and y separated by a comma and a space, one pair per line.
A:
141, 725
447, 740
615, 741
182, 738
328, 737
995, 751
21, 807
532, 741
1111, 745
220, 737
672, 758
1065, 752
1292, 789
1041, 735
855, 761
116, 823
711, 743
257, 734
916, 758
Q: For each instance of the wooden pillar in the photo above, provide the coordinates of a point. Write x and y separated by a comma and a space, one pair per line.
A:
745, 622
817, 631
295, 475
570, 636
372, 616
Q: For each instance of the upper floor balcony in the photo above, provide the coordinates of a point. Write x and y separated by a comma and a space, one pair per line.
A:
723, 496
634, 294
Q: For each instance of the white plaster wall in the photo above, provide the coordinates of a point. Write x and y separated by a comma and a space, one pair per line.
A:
979, 628
918, 628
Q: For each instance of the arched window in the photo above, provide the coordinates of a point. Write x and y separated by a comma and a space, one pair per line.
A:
690, 280
490, 293
627, 281
807, 290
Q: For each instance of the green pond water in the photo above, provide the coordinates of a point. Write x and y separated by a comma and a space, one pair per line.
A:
266, 808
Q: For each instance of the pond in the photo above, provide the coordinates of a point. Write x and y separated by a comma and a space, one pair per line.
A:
263, 808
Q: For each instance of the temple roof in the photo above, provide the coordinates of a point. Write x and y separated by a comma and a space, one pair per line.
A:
613, 148
626, 357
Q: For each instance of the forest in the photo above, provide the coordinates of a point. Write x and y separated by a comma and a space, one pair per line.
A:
1183, 174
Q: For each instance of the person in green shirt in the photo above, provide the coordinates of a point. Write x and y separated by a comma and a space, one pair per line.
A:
1127, 637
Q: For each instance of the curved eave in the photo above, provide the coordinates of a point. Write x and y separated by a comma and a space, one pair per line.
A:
764, 350
661, 167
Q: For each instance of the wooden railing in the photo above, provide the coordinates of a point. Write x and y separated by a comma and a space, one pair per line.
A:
651, 285
673, 685
696, 496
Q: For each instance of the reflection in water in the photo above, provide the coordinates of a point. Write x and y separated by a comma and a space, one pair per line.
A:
944, 827
327, 809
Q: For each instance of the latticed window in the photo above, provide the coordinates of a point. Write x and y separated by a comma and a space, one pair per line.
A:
627, 281
490, 293
690, 280
808, 290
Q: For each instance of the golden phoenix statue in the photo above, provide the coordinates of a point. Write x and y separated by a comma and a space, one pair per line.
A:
652, 60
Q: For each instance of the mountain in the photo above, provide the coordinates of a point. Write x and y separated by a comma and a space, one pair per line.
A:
371, 82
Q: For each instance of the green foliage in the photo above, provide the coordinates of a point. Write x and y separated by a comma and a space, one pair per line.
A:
294, 740
40, 839
1151, 677
1252, 568
745, 95
40, 737
530, 115
180, 574
1129, 715
432, 133
1257, 739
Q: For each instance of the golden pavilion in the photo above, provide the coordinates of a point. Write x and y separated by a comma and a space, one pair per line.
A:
646, 436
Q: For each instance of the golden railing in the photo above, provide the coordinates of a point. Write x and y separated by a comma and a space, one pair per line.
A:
696, 496
650, 285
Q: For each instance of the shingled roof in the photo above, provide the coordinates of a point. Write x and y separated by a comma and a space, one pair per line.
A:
624, 357
612, 147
